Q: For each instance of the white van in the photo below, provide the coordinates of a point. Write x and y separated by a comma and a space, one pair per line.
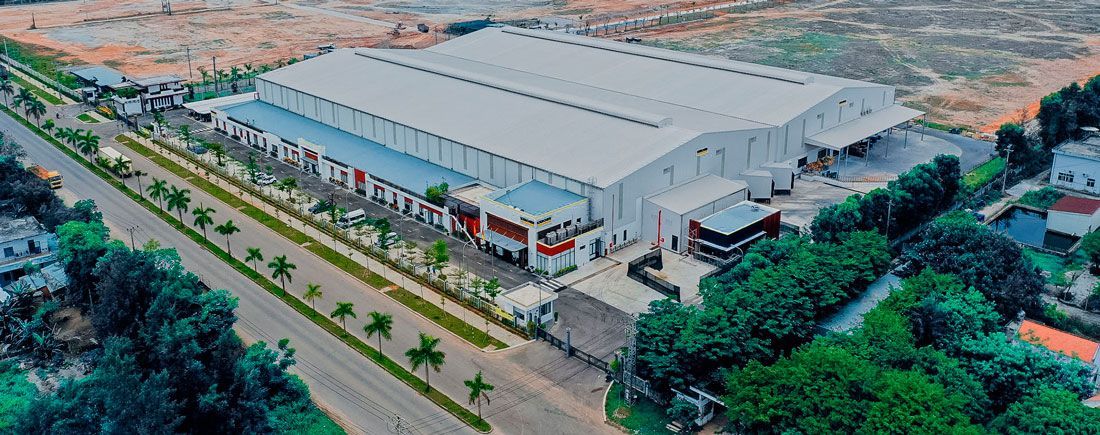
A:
351, 218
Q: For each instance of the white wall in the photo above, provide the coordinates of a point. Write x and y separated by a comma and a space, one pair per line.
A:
1072, 223
1081, 169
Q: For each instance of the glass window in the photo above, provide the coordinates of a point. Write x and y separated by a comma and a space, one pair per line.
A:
1090, 183
1065, 177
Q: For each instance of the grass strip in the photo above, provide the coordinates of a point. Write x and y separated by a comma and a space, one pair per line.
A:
643, 417
50, 98
446, 320
87, 118
443, 318
301, 307
984, 173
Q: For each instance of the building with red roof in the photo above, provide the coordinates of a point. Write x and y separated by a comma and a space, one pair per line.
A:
1060, 342
1074, 215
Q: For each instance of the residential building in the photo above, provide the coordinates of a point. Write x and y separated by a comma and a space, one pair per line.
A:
151, 94
1062, 343
1076, 164
614, 126
23, 240
1074, 215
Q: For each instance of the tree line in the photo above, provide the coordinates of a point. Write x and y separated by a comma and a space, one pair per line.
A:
931, 358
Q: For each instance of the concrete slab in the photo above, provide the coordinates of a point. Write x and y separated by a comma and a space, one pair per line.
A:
800, 207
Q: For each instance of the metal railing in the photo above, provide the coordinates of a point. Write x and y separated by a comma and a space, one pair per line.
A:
57, 86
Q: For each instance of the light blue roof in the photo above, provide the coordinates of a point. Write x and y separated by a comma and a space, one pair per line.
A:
534, 197
393, 166
101, 75
736, 217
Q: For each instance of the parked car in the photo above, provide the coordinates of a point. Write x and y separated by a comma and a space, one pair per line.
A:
198, 149
352, 218
265, 179
320, 207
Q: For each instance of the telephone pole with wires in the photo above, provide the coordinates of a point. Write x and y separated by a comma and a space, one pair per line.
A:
133, 247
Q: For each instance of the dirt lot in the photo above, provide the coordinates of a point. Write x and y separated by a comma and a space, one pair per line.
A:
974, 63
134, 37
970, 63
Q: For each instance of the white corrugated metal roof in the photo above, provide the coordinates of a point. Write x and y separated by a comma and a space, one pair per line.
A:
696, 192
754, 92
203, 107
855, 130
491, 113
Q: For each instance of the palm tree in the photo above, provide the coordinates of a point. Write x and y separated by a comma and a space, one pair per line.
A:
254, 255
88, 142
121, 166
49, 126
217, 150
280, 268
22, 97
381, 324
234, 72
178, 199
7, 89
204, 73
247, 69
202, 218
227, 229
184, 132
478, 389
426, 355
313, 292
343, 311
137, 176
158, 191
37, 109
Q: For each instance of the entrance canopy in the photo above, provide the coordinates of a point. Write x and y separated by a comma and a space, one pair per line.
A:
839, 137
504, 242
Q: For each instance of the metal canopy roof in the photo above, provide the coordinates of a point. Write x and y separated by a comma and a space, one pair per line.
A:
203, 107
736, 217
100, 75
503, 241
839, 137
696, 192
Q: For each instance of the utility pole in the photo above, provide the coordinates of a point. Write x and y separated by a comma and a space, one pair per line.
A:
133, 247
190, 73
889, 209
1004, 180
215, 59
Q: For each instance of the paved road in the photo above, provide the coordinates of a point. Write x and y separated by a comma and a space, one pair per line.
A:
538, 389
339, 378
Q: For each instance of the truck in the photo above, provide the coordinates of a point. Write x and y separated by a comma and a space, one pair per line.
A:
52, 177
110, 157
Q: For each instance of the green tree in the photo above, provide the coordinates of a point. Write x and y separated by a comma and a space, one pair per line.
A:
684, 412
121, 166
425, 354
280, 268
437, 255
36, 109
7, 89
227, 229
1047, 410
49, 126
23, 97
184, 134
1090, 245
478, 389
436, 192
910, 402
217, 150
380, 324
313, 292
178, 199
1010, 136
343, 311
87, 142
158, 191
203, 218
254, 255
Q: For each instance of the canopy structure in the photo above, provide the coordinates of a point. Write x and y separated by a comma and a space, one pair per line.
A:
504, 242
203, 107
839, 137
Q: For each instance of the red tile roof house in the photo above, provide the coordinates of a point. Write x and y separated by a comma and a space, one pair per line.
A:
1074, 215
1063, 343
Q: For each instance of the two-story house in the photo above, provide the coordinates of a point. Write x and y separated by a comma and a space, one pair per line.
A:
23, 240
150, 94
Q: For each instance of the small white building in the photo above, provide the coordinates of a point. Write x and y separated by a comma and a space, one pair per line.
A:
668, 213
151, 94
528, 302
1076, 164
1074, 215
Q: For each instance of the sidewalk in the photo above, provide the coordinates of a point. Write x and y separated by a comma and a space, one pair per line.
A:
469, 316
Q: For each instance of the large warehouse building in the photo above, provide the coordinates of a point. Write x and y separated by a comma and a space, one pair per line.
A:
577, 145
